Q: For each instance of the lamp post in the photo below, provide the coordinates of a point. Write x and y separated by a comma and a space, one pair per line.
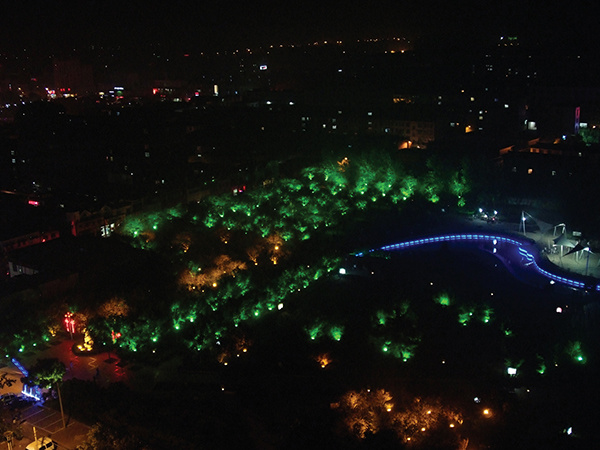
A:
70, 323
8, 435
587, 263
523, 219
62, 411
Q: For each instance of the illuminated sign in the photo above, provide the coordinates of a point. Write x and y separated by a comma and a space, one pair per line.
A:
263, 67
107, 230
239, 190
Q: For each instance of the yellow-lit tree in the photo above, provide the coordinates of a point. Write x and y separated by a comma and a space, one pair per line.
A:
367, 411
114, 307
419, 423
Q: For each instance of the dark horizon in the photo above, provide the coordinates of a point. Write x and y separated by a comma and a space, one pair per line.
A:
182, 26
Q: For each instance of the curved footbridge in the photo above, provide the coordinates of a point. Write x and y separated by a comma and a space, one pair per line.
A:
519, 254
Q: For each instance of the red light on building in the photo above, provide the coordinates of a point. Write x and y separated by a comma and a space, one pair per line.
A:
33, 203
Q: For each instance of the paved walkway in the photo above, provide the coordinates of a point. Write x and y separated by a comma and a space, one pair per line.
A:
41, 421
104, 370
576, 262
46, 421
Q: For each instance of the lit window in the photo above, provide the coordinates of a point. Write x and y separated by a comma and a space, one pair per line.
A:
529, 171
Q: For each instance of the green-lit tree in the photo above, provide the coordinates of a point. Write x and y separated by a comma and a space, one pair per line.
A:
45, 373
590, 135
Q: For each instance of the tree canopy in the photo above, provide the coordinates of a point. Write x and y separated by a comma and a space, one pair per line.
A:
45, 373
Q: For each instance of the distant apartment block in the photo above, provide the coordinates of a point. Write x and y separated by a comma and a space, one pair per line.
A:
102, 222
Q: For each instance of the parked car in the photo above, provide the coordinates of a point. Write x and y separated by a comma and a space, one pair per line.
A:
7, 399
20, 402
43, 443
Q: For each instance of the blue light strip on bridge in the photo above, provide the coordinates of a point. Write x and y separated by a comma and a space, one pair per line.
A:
20, 367
34, 392
495, 239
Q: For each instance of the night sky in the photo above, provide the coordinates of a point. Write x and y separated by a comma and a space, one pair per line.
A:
211, 25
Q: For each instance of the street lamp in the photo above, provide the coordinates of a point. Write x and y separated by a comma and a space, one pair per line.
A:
70, 323
587, 263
